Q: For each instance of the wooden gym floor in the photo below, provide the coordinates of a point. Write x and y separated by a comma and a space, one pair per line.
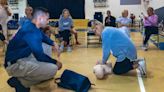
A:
82, 60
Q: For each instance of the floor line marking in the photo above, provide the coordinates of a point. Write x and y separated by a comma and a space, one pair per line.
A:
140, 81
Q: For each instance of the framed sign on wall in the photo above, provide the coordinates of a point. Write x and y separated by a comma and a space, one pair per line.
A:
100, 3
13, 1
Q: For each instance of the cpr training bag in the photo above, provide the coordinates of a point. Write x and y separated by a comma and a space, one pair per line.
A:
74, 81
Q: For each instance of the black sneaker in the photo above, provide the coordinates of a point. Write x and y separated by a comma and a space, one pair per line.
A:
15, 83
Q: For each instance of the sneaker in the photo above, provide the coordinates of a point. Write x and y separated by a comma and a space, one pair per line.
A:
69, 49
15, 83
61, 48
138, 59
142, 67
145, 48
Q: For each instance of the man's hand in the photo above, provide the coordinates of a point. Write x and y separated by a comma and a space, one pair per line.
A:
59, 64
99, 62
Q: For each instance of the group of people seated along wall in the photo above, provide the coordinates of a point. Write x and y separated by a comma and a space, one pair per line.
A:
124, 23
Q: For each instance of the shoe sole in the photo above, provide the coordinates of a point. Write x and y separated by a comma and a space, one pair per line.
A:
144, 70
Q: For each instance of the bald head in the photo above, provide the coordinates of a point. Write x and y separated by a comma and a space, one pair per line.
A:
125, 13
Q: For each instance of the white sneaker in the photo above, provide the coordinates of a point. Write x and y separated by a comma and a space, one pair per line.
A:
145, 48
69, 49
142, 67
61, 48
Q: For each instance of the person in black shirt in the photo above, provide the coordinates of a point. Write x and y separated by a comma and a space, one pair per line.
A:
110, 20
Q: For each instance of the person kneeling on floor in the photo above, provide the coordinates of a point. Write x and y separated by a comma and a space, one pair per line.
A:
25, 59
120, 46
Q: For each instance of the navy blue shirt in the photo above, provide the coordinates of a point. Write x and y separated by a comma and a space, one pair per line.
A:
28, 40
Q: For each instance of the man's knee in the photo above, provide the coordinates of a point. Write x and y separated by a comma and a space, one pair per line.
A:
52, 70
42, 75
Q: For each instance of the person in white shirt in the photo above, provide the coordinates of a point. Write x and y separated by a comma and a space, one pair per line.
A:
4, 14
124, 23
124, 20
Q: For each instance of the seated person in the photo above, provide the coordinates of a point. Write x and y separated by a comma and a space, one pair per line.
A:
65, 24
25, 60
132, 17
73, 30
120, 46
124, 20
110, 20
5, 13
28, 17
151, 26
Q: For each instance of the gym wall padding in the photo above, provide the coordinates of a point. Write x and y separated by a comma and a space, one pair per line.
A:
55, 7
160, 13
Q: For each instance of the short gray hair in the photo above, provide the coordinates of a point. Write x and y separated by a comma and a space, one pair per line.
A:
96, 22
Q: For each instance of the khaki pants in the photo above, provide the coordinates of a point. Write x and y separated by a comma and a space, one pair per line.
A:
30, 71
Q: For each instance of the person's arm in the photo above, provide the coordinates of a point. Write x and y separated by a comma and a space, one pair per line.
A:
8, 10
72, 24
46, 39
105, 48
113, 21
106, 19
121, 24
118, 21
153, 20
60, 23
35, 44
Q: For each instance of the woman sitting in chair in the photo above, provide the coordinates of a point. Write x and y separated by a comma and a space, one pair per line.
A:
151, 26
65, 26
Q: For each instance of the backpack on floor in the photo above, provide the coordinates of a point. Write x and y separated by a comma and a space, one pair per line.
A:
74, 81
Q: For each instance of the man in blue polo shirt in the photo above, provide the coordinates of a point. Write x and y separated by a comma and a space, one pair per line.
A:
25, 59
